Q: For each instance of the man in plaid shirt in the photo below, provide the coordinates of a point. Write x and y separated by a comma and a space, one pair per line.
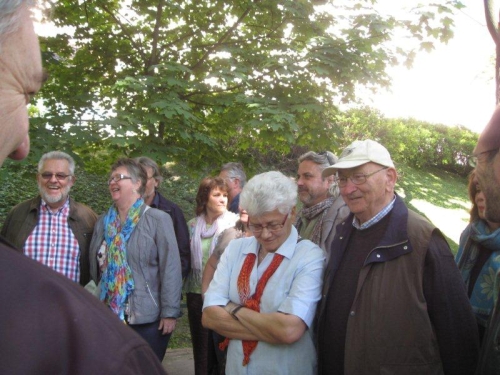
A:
52, 228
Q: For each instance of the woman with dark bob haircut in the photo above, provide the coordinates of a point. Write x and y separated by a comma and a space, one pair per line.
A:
212, 217
478, 257
135, 260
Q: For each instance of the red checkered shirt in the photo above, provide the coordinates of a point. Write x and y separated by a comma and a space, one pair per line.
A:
53, 243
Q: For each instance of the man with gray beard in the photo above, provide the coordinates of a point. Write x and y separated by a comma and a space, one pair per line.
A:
52, 228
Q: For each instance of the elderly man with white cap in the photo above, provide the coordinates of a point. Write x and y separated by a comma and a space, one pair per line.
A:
393, 299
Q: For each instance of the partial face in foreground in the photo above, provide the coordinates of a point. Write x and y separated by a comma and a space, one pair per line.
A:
21, 76
488, 175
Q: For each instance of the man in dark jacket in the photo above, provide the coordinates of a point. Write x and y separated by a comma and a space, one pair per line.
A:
235, 177
48, 324
393, 299
52, 228
153, 198
486, 159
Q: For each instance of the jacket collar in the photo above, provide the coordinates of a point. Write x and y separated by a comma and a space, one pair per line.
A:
36, 202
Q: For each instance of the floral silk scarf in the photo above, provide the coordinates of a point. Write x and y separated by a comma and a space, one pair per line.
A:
117, 282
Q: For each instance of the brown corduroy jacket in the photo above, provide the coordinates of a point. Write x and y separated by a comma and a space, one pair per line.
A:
23, 218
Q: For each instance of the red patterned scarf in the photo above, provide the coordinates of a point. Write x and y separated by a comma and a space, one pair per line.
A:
254, 301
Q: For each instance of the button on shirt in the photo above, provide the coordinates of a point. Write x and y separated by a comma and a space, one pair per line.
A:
53, 243
294, 288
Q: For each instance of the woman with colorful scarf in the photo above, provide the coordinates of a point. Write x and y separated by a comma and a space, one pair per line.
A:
265, 290
478, 257
135, 260
212, 217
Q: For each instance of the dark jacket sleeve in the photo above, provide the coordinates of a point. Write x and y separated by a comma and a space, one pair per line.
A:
182, 236
450, 310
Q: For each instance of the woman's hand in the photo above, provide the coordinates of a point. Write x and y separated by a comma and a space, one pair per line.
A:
167, 325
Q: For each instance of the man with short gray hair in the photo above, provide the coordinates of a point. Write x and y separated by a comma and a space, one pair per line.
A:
235, 177
393, 301
52, 228
323, 208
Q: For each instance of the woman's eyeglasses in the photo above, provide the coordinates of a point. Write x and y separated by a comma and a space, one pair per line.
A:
272, 227
118, 177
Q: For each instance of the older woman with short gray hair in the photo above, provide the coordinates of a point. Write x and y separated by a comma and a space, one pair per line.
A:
264, 293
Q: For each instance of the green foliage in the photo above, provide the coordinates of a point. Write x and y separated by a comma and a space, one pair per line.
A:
89, 188
211, 81
413, 142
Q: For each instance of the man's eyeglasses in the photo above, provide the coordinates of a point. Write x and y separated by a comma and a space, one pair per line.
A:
474, 160
356, 178
59, 176
272, 227
118, 177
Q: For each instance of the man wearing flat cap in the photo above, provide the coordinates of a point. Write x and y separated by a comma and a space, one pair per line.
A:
486, 160
393, 299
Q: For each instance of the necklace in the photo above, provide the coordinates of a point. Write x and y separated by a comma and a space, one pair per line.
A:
262, 255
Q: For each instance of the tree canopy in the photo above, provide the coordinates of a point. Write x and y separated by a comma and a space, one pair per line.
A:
205, 81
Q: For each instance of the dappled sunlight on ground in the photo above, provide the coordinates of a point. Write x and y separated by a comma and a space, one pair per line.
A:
450, 221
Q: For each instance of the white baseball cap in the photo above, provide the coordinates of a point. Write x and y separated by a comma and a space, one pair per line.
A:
359, 153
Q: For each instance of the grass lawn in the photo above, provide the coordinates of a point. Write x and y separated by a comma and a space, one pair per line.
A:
439, 196
181, 338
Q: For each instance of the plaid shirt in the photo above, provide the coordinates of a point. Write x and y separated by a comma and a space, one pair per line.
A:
375, 219
53, 243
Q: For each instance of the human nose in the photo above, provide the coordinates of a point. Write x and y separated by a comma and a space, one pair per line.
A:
480, 196
53, 178
266, 231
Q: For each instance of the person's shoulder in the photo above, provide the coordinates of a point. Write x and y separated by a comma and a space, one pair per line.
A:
81, 208
83, 329
27, 205
417, 219
156, 214
167, 202
237, 246
309, 248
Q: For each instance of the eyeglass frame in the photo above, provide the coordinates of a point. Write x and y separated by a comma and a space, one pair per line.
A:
59, 176
271, 230
364, 175
474, 160
122, 177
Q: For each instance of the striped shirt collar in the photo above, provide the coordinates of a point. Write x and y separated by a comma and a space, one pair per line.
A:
376, 218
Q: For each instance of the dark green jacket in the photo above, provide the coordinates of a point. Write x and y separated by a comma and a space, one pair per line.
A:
410, 314
23, 218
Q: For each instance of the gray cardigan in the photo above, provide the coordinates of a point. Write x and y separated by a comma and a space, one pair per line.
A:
153, 257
